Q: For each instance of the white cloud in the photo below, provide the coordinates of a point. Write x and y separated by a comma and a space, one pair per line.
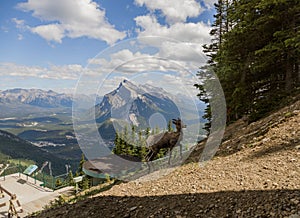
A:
209, 3
171, 56
4, 29
20, 37
184, 32
65, 72
173, 10
116, 59
19, 23
11, 69
71, 18
128, 63
50, 32
188, 35
182, 52
137, 66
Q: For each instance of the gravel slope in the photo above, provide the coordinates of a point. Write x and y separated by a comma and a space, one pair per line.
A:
256, 174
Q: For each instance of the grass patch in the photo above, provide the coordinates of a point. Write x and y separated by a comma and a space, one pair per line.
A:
22, 162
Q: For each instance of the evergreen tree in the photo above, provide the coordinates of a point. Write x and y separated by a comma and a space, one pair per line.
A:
86, 183
80, 167
142, 144
156, 130
257, 57
140, 138
133, 132
170, 128
203, 96
58, 182
125, 134
117, 142
147, 132
70, 178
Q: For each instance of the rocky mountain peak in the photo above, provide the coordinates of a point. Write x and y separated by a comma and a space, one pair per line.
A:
136, 103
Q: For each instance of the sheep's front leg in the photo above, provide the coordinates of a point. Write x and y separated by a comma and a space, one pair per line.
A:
180, 147
149, 167
170, 154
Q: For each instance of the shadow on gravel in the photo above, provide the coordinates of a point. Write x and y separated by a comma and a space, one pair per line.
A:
254, 203
261, 152
271, 150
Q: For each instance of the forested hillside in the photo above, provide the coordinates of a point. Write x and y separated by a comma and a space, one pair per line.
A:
17, 148
255, 52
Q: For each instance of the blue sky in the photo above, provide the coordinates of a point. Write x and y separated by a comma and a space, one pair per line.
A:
48, 44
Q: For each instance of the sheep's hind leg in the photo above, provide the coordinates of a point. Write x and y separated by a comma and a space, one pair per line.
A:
149, 157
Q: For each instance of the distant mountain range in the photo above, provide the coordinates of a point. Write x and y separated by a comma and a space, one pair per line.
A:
36, 97
23, 102
129, 101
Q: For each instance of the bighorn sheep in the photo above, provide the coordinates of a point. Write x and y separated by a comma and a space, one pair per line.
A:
167, 140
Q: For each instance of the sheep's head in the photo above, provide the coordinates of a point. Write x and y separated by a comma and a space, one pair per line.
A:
178, 123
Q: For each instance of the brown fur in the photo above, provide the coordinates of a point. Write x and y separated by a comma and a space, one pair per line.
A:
169, 140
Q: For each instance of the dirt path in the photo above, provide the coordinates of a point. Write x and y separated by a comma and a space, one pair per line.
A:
260, 178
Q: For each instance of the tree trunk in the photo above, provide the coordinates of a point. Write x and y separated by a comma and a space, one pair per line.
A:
288, 75
298, 70
221, 5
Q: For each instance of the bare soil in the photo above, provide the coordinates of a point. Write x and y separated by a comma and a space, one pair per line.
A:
256, 173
